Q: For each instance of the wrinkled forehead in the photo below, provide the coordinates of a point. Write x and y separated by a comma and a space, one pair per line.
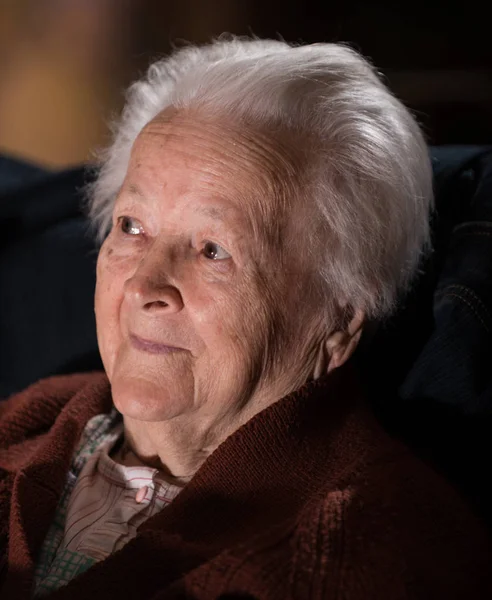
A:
254, 169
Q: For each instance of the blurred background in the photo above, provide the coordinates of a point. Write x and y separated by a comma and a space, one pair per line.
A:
64, 64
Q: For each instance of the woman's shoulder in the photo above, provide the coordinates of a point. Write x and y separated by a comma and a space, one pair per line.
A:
398, 525
37, 407
58, 384
390, 485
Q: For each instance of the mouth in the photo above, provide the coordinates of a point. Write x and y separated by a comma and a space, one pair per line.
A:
152, 347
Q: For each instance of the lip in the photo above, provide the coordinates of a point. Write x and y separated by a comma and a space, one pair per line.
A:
152, 347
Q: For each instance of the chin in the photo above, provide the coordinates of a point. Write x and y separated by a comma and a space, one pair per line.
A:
146, 400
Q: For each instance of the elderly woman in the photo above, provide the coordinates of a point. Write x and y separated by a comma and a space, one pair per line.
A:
259, 205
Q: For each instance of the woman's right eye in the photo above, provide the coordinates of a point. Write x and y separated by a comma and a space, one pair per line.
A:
129, 226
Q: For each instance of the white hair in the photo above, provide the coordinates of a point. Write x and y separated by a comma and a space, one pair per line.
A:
370, 181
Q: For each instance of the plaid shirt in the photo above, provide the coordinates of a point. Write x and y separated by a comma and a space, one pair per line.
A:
124, 497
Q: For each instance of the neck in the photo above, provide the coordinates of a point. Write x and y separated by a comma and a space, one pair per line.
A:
278, 456
177, 452
178, 447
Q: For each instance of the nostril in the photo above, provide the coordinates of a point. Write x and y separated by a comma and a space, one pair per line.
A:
156, 304
160, 303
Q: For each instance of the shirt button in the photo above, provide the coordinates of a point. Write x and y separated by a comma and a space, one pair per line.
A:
142, 492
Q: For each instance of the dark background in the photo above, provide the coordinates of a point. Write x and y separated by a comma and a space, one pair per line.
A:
65, 63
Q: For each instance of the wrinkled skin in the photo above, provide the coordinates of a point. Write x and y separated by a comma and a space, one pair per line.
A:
202, 312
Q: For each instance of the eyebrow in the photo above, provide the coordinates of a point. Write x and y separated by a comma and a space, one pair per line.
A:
214, 212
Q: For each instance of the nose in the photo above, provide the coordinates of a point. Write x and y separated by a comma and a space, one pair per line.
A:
149, 288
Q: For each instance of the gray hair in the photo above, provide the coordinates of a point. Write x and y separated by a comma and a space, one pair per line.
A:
371, 178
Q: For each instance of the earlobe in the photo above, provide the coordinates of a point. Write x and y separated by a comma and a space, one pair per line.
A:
341, 345
338, 346
326, 353
344, 351
335, 346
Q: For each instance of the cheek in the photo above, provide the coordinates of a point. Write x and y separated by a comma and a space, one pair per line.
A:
112, 272
113, 269
230, 320
105, 280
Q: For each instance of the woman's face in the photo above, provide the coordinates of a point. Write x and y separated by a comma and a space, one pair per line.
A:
189, 290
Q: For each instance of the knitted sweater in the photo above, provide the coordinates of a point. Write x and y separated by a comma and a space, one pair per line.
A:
309, 499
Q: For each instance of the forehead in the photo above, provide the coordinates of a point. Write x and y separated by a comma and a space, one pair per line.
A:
216, 163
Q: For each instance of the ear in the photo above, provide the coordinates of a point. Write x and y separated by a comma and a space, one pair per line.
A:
341, 344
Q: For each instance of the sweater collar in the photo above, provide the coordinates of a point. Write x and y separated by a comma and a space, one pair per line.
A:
272, 463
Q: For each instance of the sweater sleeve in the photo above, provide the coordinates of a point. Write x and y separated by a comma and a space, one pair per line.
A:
35, 409
39, 394
400, 533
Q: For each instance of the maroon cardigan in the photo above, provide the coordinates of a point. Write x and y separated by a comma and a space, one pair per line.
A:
309, 499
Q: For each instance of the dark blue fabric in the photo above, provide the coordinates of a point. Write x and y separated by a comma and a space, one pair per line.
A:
429, 369
47, 274
461, 338
437, 344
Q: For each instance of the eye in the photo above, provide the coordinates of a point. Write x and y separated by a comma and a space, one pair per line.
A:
129, 226
213, 251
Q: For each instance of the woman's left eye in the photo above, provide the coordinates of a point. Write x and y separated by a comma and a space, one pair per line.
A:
213, 251
129, 226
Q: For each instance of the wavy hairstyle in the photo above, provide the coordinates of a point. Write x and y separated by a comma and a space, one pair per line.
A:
370, 178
